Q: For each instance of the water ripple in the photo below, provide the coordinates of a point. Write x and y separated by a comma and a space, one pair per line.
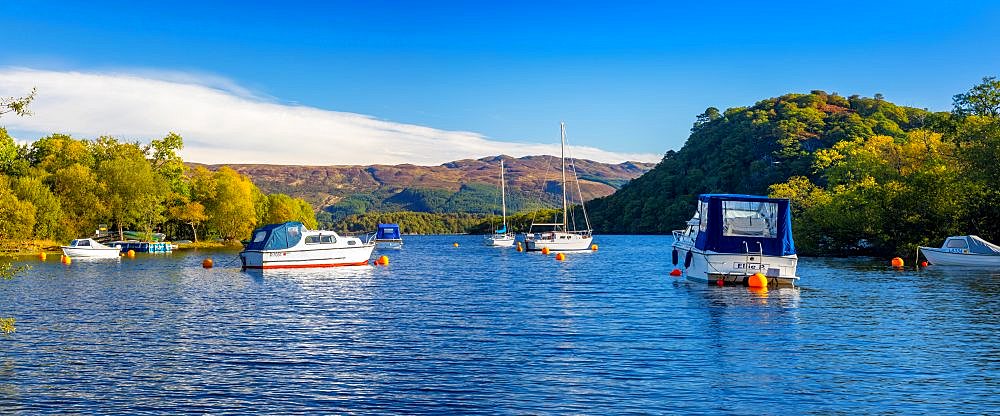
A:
477, 330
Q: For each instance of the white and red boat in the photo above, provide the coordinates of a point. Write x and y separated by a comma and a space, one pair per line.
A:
291, 245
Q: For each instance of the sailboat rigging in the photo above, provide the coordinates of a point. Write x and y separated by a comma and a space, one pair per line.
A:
561, 237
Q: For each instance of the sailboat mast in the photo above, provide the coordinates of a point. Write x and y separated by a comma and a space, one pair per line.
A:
503, 196
562, 156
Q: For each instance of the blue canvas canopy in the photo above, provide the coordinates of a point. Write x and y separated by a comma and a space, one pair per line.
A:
276, 236
974, 244
733, 223
387, 232
502, 230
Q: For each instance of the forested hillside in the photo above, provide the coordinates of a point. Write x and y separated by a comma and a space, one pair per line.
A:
865, 175
467, 186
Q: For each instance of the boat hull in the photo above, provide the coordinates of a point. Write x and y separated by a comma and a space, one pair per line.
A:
307, 258
91, 253
944, 257
499, 240
733, 268
392, 244
559, 242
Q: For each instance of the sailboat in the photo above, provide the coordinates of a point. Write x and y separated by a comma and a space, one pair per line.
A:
561, 237
501, 237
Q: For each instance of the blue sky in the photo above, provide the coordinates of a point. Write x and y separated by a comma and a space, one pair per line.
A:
626, 77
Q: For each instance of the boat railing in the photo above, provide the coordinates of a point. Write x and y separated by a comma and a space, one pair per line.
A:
680, 235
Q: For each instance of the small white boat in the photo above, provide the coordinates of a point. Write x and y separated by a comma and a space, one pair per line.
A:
388, 236
501, 237
965, 250
732, 237
561, 237
290, 245
89, 248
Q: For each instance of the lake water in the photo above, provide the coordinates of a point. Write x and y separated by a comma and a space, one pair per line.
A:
475, 329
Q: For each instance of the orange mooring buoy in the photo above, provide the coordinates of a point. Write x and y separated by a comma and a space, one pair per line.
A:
757, 280
675, 272
41, 255
923, 263
545, 251
207, 263
560, 256
131, 254
897, 262
593, 247
382, 261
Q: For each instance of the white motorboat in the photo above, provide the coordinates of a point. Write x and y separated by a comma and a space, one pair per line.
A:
89, 248
388, 236
964, 250
501, 237
291, 245
732, 237
562, 236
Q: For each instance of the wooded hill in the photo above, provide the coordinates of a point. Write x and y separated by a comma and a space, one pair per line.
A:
865, 176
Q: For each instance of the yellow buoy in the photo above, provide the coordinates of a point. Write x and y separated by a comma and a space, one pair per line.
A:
66, 260
593, 247
41, 255
456, 244
519, 249
131, 253
757, 280
560, 257
897, 262
545, 251
382, 261
207, 263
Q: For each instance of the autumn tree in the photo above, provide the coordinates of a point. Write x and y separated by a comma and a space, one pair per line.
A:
191, 213
229, 202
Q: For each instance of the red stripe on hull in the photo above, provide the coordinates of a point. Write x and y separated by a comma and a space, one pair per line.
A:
304, 266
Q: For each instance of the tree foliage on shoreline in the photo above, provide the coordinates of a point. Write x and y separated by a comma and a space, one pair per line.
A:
865, 176
60, 188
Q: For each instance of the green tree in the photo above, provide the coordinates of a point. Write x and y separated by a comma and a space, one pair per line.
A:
162, 154
17, 217
134, 193
982, 100
48, 210
80, 197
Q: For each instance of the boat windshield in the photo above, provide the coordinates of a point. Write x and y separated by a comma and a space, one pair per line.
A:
749, 219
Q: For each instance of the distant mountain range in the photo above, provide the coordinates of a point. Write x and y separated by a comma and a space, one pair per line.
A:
469, 185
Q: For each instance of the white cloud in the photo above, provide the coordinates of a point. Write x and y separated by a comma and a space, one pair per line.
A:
222, 122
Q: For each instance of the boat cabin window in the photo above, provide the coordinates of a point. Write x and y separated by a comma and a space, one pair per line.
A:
749, 219
956, 243
81, 243
259, 236
320, 239
702, 215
